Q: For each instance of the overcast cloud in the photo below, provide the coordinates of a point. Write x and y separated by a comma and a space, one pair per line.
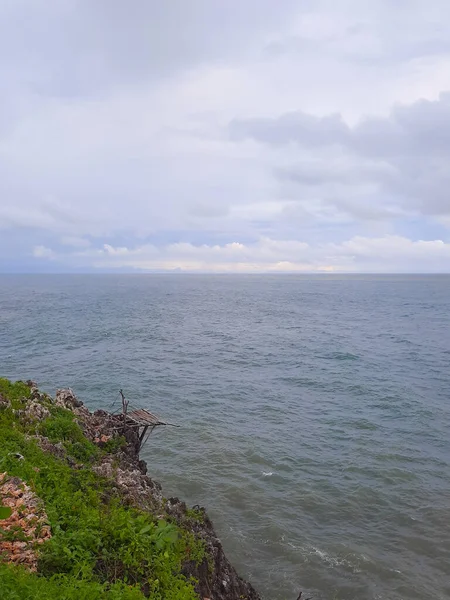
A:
204, 135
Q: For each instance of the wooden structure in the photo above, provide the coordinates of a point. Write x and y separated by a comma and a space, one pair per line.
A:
146, 422
141, 419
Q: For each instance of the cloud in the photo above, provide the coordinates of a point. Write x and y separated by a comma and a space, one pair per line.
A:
81, 48
141, 136
359, 254
409, 130
297, 127
43, 252
402, 156
74, 241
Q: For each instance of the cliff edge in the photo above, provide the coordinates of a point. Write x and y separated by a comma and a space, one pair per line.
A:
80, 517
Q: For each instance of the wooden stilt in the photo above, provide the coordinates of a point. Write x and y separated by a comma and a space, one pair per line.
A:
141, 437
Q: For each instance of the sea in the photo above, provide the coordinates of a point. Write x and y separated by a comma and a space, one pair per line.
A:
313, 411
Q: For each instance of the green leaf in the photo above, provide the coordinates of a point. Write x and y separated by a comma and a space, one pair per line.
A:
146, 529
5, 512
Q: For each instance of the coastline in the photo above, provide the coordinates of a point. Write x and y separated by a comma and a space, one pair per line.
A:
110, 449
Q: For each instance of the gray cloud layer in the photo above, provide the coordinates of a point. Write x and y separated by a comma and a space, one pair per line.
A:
224, 136
409, 152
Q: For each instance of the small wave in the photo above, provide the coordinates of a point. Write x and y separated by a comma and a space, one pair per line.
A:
363, 424
330, 560
335, 561
340, 356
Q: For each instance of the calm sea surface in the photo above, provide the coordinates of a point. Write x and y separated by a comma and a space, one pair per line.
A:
315, 411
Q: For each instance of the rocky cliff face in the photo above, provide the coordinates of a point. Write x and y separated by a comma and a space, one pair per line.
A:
120, 465
217, 578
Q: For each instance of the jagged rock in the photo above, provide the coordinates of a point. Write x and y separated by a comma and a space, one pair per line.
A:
34, 411
36, 394
217, 578
67, 399
138, 489
222, 581
46, 445
29, 516
4, 402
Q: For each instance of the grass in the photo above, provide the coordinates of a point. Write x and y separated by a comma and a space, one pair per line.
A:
195, 514
100, 548
15, 392
61, 427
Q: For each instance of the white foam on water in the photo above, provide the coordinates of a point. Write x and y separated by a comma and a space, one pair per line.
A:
267, 474
335, 561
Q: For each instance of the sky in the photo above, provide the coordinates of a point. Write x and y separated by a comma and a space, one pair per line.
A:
212, 136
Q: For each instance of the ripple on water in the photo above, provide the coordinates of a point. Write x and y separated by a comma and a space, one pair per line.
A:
314, 412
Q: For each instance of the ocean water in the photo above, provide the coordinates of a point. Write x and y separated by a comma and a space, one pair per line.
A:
314, 411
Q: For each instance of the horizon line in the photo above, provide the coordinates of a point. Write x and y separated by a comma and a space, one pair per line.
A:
221, 273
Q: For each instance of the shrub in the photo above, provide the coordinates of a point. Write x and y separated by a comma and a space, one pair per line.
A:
61, 427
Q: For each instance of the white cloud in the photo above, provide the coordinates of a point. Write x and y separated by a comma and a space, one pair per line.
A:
74, 241
43, 252
389, 253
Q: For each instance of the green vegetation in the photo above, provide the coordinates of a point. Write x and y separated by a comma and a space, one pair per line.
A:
195, 514
61, 427
115, 444
100, 548
5, 512
17, 584
14, 392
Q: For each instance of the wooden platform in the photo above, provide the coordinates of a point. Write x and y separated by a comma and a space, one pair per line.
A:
145, 418
146, 422
141, 419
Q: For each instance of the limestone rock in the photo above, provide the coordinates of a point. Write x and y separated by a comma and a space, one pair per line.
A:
28, 515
